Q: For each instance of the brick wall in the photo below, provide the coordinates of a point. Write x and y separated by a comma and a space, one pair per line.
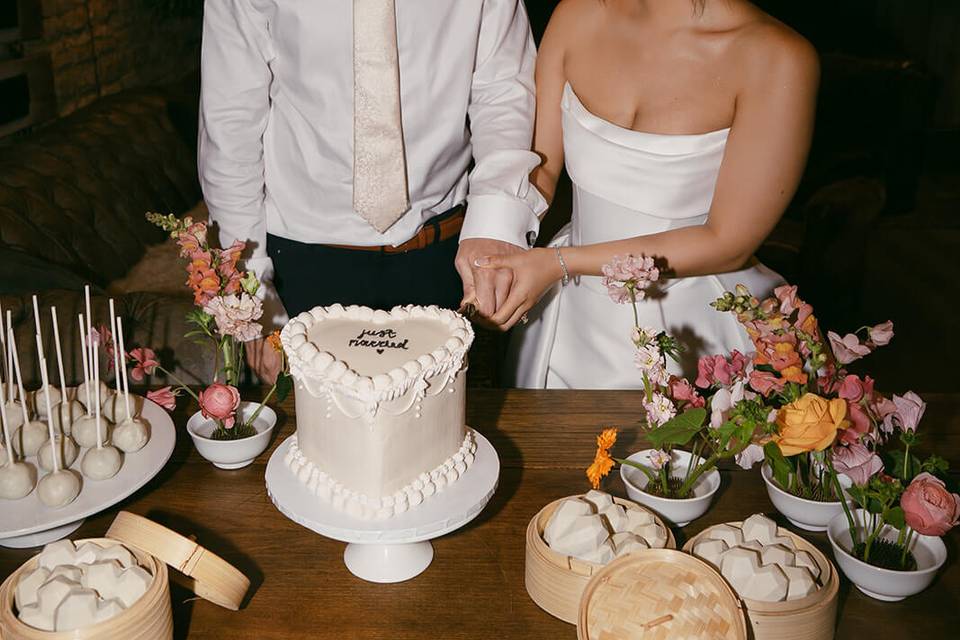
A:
99, 47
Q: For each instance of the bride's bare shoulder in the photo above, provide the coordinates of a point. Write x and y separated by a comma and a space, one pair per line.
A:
572, 17
764, 47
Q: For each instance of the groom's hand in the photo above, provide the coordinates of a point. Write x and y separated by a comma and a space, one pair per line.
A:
486, 289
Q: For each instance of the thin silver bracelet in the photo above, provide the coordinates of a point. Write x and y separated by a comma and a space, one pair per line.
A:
563, 265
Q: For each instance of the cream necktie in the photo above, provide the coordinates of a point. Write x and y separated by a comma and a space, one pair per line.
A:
379, 166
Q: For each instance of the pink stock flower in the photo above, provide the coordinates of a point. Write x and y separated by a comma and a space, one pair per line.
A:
765, 383
749, 456
658, 459
165, 397
146, 361
220, 402
881, 334
848, 348
682, 391
856, 462
626, 273
929, 508
236, 315
659, 409
910, 410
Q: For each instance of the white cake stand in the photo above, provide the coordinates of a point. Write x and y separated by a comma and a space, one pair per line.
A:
391, 550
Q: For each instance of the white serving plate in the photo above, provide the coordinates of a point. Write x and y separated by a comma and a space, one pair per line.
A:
29, 523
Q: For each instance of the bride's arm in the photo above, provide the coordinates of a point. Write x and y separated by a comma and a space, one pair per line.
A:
763, 162
547, 136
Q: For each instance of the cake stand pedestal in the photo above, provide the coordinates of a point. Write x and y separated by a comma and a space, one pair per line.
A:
391, 550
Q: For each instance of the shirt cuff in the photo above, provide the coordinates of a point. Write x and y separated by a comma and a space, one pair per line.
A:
500, 217
274, 314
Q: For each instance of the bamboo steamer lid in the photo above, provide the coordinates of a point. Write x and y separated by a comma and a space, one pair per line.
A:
659, 594
208, 575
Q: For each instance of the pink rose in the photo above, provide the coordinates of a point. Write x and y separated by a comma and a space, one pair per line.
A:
881, 334
164, 397
682, 391
857, 462
765, 383
146, 361
848, 348
220, 402
910, 409
851, 389
929, 508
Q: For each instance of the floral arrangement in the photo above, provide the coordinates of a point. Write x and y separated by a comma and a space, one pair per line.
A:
675, 411
225, 318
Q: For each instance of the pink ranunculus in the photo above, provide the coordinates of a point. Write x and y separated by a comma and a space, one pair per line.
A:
220, 402
881, 334
146, 361
851, 388
856, 462
910, 410
165, 397
682, 391
860, 425
929, 508
765, 383
787, 295
848, 348
749, 456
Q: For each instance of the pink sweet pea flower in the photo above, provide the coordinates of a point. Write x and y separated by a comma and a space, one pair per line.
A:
851, 388
929, 508
885, 410
739, 363
165, 397
713, 369
910, 410
787, 295
749, 456
856, 462
859, 424
146, 361
881, 334
682, 391
848, 348
219, 402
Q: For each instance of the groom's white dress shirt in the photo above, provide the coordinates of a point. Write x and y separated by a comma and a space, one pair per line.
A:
276, 121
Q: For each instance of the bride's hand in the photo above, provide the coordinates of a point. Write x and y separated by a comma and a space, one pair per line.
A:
534, 271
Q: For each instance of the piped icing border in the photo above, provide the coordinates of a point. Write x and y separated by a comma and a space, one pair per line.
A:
321, 372
364, 507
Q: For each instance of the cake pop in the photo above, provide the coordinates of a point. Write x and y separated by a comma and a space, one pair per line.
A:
30, 437
131, 433
17, 479
66, 452
61, 486
84, 429
103, 461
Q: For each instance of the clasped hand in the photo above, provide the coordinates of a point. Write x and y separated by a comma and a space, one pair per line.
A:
503, 281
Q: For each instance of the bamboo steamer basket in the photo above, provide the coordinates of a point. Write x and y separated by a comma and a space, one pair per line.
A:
150, 617
660, 594
555, 581
810, 618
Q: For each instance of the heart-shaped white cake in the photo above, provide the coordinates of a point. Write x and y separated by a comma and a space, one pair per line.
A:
380, 405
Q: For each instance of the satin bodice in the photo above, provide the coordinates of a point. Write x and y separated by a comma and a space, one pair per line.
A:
628, 183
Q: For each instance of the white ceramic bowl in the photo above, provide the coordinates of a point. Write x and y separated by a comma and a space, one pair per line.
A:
233, 454
886, 584
676, 511
811, 515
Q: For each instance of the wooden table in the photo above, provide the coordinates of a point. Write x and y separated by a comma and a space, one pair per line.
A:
474, 588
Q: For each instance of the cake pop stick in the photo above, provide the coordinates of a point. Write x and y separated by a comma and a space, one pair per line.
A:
86, 361
68, 409
46, 392
16, 478
123, 369
110, 409
62, 451
96, 392
56, 340
41, 409
36, 323
9, 355
32, 434
104, 461
59, 487
3, 344
131, 434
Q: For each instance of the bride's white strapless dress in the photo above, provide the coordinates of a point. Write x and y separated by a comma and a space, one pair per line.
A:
626, 184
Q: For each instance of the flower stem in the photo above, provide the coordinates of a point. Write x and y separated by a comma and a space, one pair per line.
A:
835, 481
180, 383
263, 403
695, 475
630, 463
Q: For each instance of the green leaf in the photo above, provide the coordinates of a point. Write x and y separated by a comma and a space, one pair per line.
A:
895, 517
725, 432
936, 465
780, 466
678, 430
284, 386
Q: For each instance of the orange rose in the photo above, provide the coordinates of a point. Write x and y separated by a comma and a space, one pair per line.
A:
810, 424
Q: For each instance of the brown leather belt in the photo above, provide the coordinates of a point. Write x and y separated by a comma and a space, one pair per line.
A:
443, 227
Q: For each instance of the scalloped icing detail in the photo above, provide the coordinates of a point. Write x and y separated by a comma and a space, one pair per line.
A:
364, 507
323, 374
